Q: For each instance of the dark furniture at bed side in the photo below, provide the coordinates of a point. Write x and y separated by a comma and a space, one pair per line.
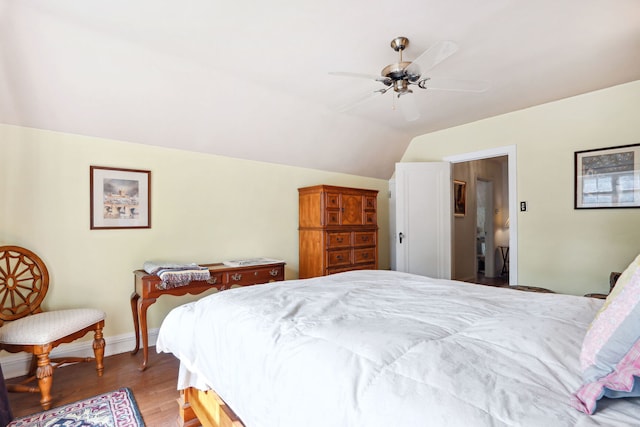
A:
613, 278
148, 287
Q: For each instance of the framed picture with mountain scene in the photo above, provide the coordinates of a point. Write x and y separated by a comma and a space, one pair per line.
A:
119, 198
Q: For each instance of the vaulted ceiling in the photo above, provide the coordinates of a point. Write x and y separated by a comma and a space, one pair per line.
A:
250, 79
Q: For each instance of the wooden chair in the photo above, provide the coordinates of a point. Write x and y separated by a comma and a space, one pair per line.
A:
24, 281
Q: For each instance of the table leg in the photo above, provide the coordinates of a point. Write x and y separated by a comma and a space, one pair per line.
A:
504, 251
143, 305
136, 324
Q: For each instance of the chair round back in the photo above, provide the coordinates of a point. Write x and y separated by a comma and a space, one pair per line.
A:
24, 281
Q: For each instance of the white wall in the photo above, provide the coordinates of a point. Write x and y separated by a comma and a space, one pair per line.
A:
205, 208
567, 250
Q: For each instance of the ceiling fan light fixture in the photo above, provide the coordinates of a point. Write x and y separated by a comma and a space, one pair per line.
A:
401, 87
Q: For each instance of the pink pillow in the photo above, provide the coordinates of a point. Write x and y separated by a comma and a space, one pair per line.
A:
610, 356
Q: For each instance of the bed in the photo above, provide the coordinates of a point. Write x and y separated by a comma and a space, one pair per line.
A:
383, 348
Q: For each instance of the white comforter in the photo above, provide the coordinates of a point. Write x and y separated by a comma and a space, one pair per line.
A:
380, 348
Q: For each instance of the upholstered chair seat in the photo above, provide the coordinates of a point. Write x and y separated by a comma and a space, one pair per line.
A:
44, 328
25, 327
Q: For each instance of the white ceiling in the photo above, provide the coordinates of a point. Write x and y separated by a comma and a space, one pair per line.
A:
249, 79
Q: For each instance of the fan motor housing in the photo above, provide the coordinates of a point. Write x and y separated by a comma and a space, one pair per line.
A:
398, 71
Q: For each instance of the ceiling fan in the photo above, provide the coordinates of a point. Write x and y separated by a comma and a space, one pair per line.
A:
402, 75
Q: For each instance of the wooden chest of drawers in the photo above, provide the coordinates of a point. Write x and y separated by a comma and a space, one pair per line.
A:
338, 230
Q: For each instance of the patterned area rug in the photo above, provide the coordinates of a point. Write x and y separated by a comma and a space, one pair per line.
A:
114, 409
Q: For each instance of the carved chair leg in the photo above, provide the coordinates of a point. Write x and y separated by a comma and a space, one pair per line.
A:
33, 365
98, 350
44, 373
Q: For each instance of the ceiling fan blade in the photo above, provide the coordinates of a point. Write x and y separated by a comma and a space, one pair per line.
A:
432, 57
357, 101
357, 75
455, 85
408, 107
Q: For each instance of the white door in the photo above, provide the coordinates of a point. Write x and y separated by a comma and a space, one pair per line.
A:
423, 219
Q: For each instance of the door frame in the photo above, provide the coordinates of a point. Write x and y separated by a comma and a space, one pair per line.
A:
510, 151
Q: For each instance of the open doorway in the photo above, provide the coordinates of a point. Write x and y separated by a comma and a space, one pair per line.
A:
484, 250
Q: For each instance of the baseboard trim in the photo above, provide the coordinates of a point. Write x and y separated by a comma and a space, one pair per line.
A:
17, 364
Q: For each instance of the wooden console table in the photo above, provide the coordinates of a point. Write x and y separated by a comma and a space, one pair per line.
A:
148, 287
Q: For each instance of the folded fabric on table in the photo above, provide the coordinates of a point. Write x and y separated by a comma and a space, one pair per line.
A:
152, 267
176, 274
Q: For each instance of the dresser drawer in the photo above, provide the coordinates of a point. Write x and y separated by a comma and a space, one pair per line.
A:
271, 274
333, 200
240, 278
255, 276
333, 217
338, 240
370, 203
154, 288
364, 255
364, 238
216, 279
370, 218
338, 258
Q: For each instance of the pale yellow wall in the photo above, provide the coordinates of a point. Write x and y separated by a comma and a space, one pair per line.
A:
567, 250
205, 208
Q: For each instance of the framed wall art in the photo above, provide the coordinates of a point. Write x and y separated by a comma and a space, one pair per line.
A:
120, 198
459, 198
607, 178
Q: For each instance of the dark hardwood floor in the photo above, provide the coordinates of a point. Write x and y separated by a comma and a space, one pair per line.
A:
154, 389
502, 280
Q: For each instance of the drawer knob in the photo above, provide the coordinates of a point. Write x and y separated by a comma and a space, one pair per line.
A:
236, 276
339, 239
365, 256
339, 257
365, 238
212, 281
274, 272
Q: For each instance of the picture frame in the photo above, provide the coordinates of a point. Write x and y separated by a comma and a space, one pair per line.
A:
119, 198
607, 178
459, 198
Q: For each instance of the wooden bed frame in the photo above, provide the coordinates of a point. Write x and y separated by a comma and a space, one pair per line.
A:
205, 408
